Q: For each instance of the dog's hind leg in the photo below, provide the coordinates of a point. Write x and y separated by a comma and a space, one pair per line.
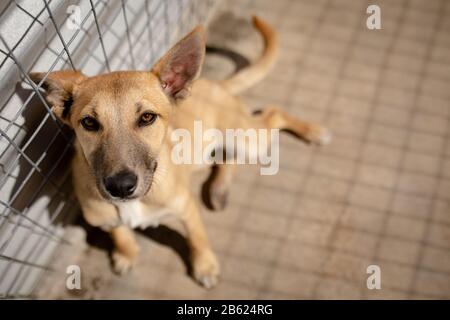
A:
220, 183
273, 117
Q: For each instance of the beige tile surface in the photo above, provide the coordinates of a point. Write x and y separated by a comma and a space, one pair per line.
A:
379, 194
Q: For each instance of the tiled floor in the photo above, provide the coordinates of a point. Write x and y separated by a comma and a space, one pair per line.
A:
378, 195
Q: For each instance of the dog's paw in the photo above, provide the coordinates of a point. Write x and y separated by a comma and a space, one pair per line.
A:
318, 135
218, 197
206, 269
122, 264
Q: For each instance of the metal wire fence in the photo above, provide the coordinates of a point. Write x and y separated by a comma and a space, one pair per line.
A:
94, 36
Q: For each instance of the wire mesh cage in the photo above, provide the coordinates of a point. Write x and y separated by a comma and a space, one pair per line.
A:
94, 36
378, 195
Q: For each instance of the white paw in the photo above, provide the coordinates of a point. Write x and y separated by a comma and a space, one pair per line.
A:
209, 281
325, 137
121, 263
206, 269
319, 135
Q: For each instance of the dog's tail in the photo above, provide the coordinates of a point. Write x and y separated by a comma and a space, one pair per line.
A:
251, 75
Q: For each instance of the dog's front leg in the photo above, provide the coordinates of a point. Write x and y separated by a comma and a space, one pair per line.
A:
126, 249
204, 262
104, 215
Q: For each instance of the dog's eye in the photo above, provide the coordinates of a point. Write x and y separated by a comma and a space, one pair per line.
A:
147, 118
90, 124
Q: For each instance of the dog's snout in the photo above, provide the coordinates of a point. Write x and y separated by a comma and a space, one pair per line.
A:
122, 184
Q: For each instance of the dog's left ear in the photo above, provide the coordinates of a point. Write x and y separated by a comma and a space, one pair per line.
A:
179, 67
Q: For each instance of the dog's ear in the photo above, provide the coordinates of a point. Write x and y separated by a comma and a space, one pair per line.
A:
59, 87
179, 67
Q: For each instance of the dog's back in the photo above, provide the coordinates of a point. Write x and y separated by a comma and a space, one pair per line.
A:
214, 102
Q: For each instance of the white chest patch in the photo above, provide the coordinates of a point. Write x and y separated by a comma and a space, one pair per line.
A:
135, 214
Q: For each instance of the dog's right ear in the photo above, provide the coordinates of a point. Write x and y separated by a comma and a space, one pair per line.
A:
59, 87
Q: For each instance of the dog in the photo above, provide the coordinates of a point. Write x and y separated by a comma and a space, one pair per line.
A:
122, 170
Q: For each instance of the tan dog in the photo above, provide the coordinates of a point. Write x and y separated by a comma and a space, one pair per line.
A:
122, 170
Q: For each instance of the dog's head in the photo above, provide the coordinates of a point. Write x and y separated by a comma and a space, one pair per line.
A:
120, 119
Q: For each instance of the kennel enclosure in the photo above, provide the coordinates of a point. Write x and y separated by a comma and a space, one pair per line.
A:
94, 36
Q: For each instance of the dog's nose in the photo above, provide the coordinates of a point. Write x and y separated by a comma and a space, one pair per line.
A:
122, 184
